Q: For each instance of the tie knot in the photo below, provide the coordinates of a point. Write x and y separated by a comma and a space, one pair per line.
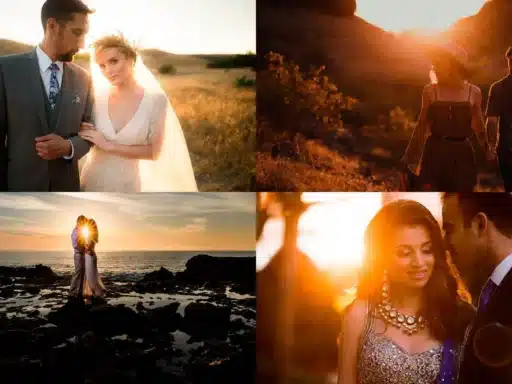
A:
54, 67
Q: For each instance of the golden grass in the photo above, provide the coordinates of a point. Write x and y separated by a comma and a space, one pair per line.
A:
219, 122
328, 171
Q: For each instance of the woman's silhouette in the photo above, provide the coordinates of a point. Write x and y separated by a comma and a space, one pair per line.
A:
93, 286
440, 152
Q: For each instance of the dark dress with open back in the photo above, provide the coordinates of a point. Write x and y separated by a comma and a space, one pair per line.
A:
448, 162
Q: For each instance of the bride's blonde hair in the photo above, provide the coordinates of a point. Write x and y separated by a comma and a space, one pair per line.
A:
116, 41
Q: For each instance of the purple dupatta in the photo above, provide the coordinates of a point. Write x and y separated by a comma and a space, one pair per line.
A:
448, 372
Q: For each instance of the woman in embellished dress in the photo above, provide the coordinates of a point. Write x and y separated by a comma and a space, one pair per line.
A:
408, 318
440, 153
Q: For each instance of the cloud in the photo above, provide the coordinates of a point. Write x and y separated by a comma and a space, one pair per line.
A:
198, 224
26, 202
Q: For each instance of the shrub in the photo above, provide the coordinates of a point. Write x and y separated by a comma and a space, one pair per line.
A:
296, 102
244, 81
247, 60
167, 69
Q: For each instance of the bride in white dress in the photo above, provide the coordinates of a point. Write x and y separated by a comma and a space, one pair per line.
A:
139, 144
93, 285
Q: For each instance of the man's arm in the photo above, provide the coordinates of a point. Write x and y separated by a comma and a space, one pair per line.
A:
3, 134
79, 146
493, 113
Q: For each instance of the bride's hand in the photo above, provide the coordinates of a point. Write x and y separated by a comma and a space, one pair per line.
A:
86, 126
96, 138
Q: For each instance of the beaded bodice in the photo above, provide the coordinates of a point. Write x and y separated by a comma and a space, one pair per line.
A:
383, 361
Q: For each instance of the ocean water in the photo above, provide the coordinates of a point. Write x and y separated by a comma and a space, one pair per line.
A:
123, 262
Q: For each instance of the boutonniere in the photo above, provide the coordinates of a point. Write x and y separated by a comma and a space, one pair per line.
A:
76, 100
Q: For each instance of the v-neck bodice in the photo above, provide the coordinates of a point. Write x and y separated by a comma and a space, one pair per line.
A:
108, 172
129, 122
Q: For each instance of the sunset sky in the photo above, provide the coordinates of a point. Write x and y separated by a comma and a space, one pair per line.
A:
331, 232
177, 221
400, 15
176, 26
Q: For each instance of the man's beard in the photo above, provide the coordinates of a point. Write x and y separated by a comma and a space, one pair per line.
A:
67, 57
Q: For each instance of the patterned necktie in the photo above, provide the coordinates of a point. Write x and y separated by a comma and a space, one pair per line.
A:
486, 294
54, 85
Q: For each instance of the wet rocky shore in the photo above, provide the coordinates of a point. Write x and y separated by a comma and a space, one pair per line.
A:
194, 326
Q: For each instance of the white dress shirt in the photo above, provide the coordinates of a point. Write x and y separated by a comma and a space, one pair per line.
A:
44, 67
502, 270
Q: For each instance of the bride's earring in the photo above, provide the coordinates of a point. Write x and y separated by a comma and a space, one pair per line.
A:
385, 288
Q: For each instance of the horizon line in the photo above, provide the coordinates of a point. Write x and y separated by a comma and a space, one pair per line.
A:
86, 50
134, 250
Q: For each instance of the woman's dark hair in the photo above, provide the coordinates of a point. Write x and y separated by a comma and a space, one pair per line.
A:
464, 71
447, 313
62, 10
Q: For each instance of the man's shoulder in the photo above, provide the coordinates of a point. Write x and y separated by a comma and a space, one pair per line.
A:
15, 58
504, 81
79, 71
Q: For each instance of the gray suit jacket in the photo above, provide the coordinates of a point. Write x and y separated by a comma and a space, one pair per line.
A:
25, 115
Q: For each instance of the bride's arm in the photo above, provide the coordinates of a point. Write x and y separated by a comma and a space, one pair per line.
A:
352, 327
149, 151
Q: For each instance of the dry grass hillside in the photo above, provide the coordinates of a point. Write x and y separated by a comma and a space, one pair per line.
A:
217, 110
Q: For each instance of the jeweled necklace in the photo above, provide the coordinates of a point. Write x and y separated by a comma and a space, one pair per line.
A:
390, 315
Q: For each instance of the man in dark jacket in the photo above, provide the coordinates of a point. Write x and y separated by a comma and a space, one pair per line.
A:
499, 122
478, 228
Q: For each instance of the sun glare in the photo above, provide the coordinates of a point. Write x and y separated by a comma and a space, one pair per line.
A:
330, 232
85, 232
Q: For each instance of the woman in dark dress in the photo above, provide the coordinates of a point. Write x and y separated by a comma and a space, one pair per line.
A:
440, 151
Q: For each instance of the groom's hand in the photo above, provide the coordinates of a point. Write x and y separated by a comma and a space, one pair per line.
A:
52, 146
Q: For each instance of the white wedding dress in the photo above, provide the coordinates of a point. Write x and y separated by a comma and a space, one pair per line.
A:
93, 286
105, 172
172, 171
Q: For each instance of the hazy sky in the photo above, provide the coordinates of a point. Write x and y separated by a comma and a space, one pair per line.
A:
331, 232
399, 15
177, 26
166, 221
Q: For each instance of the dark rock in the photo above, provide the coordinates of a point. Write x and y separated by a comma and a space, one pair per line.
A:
34, 313
107, 320
33, 290
208, 269
248, 314
72, 315
38, 274
18, 340
5, 281
238, 325
140, 307
7, 292
165, 318
205, 320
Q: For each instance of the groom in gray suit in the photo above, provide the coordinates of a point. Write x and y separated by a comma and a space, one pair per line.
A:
44, 98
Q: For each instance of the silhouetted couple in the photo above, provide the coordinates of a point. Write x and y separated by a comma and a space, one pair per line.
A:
440, 156
86, 282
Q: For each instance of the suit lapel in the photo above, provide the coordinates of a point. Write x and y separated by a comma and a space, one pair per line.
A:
35, 85
501, 296
66, 97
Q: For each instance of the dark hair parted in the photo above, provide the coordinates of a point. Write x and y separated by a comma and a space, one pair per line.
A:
497, 206
443, 307
62, 10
